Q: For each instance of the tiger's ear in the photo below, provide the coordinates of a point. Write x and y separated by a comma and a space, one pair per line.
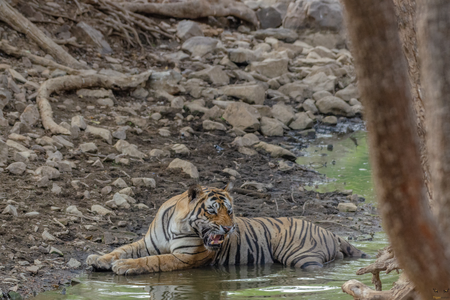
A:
195, 191
229, 187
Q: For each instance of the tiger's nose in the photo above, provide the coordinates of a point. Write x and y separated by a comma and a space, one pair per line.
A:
227, 228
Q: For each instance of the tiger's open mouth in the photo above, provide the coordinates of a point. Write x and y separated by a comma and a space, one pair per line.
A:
215, 240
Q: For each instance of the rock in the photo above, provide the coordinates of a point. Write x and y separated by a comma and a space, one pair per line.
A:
276, 151
146, 182
17, 168
17, 76
292, 90
199, 45
3, 153
73, 263
177, 102
33, 269
10, 210
232, 172
16, 146
301, 122
214, 75
164, 132
120, 183
159, 153
209, 125
283, 34
141, 206
247, 151
118, 201
50, 172
101, 210
242, 56
324, 52
32, 214
186, 166
250, 93
43, 182
213, 113
106, 190
346, 207
283, 113
309, 105
320, 82
330, 120
58, 73
317, 14
91, 36
269, 17
61, 140
79, 122
242, 116
100, 132
53, 250
30, 115
321, 94
188, 29
351, 91
74, 211
5, 98
56, 189
357, 109
181, 149
354, 102
129, 149
271, 127
106, 102
47, 236
247, 140
271, 67
88, 148
335, 106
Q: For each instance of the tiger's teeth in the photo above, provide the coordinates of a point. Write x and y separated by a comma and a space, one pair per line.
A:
212, 242
220, 242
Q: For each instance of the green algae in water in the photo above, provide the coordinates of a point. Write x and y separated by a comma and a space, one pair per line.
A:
346, 167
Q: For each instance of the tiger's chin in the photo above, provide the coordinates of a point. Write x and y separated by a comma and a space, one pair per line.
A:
214, 241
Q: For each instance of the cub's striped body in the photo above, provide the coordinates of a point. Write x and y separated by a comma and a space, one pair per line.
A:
197, 228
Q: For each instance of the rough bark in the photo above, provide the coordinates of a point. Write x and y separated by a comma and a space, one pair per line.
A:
434, 29
405, 11
385, 90
197, 9
66, 83
19, 23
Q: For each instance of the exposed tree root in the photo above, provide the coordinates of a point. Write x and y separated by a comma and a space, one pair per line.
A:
19, 53
19, 23
66, 83
196, 9
128, 24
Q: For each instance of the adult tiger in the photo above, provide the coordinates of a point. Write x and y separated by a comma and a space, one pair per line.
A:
197, 228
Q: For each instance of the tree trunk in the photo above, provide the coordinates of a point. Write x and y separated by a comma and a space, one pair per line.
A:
385, 91
433, 34
405, 11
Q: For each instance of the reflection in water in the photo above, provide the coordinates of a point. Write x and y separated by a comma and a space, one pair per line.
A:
271, 281
346, 165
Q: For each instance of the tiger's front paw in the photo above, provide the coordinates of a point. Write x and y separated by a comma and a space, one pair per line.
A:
130, 267
99, 262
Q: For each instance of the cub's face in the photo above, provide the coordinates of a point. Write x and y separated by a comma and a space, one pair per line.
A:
212, 214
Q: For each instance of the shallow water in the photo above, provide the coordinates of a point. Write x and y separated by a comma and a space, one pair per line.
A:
346, 166
350, 170
238, 282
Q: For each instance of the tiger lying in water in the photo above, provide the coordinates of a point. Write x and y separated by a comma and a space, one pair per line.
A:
197, 228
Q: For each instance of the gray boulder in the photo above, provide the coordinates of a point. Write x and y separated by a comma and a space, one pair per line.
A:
214, 75
250, 93
301, 122
271, 127
187, 29
283, 34
270, 67
242, 116
200, 45
283, 113
335, 106
318, 14
269, 17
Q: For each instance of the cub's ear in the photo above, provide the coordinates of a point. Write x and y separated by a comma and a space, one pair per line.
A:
195, 191
229, 187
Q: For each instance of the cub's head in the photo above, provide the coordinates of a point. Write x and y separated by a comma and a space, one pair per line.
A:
211, 216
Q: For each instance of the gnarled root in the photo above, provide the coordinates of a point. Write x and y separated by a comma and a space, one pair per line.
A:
19, 23
197, 9
386, 261
66, 83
